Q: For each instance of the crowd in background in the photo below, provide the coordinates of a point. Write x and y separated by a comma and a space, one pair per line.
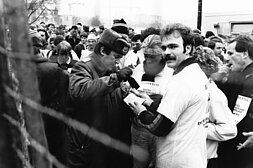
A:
196, 90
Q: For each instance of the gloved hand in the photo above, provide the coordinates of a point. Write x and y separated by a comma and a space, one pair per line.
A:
124, 73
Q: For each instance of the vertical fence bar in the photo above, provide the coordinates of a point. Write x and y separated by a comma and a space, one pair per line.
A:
26, 74
9, 136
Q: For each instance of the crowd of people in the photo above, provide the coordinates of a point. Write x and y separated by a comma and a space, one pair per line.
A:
190, 103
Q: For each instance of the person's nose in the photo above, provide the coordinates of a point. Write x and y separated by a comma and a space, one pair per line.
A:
117, 61
167, 51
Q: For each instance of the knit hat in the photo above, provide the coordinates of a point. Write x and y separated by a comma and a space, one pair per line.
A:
152, 45
120, 26
114, 41
92, 36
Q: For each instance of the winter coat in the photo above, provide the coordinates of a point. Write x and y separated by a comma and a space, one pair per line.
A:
238, 83
53, 86
99, 105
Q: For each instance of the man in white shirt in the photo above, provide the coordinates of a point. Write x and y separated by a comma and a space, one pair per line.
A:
180, 119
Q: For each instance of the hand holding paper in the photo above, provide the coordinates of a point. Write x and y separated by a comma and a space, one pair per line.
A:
137, 107
143, 95
131, 98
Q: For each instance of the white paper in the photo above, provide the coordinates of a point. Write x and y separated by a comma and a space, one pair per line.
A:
241, 107
149, 87
131, 98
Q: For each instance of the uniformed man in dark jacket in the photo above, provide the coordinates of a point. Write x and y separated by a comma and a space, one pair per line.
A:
96, 100
238, 87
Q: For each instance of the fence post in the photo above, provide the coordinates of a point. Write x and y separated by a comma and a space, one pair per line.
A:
25, 70
8, 156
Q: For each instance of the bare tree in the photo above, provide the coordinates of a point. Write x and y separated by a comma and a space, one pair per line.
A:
95, 21
37, 8
76, 20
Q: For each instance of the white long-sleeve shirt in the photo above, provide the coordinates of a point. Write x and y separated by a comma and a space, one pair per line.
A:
221, 126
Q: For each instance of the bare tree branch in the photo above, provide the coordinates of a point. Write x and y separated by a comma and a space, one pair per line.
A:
38, 16
36, 5
31, 4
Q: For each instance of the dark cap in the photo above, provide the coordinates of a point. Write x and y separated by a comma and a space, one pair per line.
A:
209, 34
114, 41
120, 26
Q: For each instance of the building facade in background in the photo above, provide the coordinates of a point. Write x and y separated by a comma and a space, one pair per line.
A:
228, 23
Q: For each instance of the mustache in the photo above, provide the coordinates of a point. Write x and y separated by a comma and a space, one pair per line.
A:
168, 57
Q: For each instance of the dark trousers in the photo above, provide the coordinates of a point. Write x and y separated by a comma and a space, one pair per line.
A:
212, 163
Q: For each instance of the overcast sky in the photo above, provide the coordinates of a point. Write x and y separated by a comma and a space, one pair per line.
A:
184, 11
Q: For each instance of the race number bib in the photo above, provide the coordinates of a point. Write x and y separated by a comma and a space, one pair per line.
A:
149, 87
241, 108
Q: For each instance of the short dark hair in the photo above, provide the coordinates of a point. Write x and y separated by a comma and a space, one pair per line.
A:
86, 28
185, 32
148, 31
211, 45
136, 37
216, 39
50, 24
243, 43
46, 34
198, 40
63, 48
209, 34
101, 27
74, 27
58, 39
84, 34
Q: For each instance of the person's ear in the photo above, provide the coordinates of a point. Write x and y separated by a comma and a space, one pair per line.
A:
102, 52
188, 49
245, 54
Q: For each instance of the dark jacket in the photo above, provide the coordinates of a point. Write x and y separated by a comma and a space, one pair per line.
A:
238, 83
78, 49
98, 104
53, 86
72, 41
